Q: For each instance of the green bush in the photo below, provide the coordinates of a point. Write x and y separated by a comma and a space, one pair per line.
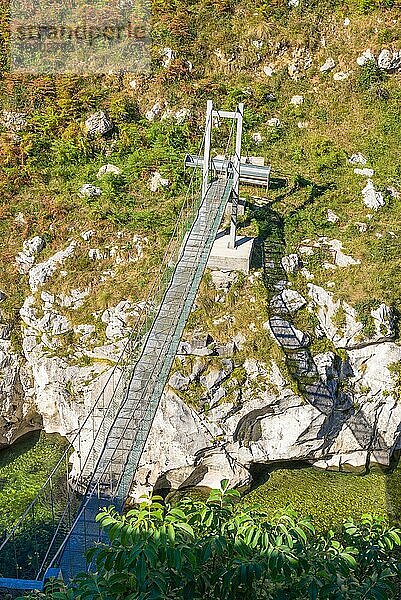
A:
218, 550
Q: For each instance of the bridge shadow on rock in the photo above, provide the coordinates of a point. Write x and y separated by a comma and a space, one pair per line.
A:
339, 408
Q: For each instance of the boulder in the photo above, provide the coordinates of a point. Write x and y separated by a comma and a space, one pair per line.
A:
332, 217
365, 57
288, 301
182, 115
364, 172
24, 262
153, 112
179, 382
268, 70
389, 61
297, 100
14, 121
291, 263
273, 122
98, 124
328, 65
350, 333
372, 198
357, 159
157, 181
257, 137
341, 76
167, 57
33, 246
89, 191
87, 235
341, 259
108, 169
41, 272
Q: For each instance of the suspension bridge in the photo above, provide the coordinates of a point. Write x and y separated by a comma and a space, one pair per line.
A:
99, 464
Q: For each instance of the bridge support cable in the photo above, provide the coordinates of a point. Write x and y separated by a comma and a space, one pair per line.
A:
99, 465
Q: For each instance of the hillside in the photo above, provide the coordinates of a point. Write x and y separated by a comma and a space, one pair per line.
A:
321, 86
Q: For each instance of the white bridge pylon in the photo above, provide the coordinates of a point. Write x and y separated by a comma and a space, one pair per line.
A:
241, 172
234, 163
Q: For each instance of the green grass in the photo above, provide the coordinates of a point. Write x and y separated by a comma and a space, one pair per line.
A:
24, 468
330, 497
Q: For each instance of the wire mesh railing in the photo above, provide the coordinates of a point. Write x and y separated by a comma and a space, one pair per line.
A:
50, 515
93, 471
115, 473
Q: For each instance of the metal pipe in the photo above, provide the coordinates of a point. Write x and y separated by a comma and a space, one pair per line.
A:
252, 174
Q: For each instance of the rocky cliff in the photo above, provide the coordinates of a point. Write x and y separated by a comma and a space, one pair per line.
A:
298, 361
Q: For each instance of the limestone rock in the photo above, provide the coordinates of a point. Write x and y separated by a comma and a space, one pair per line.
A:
297, 100
268, 70
89, 191
257, 137
178, 381
357, 159
365, 57
364, 172
25, 262
182, 115
157, 181
332, 217
41, 272
389, 61
167, 57
372, 198
341, 259
273, 122
108, 169
349, 333
291, 263
153, 112
33, 246
14, 121
26, 258
287, 301
288, 336
328, 65
87, 235
98, 124
340, 76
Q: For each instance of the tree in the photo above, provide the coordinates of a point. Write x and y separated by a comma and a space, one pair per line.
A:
217, 550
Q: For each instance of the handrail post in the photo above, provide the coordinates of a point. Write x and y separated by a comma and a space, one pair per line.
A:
206, 155
237, 166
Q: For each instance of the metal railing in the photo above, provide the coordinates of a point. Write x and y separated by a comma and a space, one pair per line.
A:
50, 515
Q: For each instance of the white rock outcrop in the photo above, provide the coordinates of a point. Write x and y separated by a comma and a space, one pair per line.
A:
98, 124
291, 263
328, 65
371, 197
41, 272
108, 169
157, 181
14, 121
341, 324
297, 100
89, 191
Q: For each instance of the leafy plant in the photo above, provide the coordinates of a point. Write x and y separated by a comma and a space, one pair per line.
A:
219, 550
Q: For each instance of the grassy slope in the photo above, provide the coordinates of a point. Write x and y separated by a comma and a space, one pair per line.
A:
24, 468
40, 175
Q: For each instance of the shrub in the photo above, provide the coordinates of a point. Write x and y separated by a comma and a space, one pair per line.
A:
218, 550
